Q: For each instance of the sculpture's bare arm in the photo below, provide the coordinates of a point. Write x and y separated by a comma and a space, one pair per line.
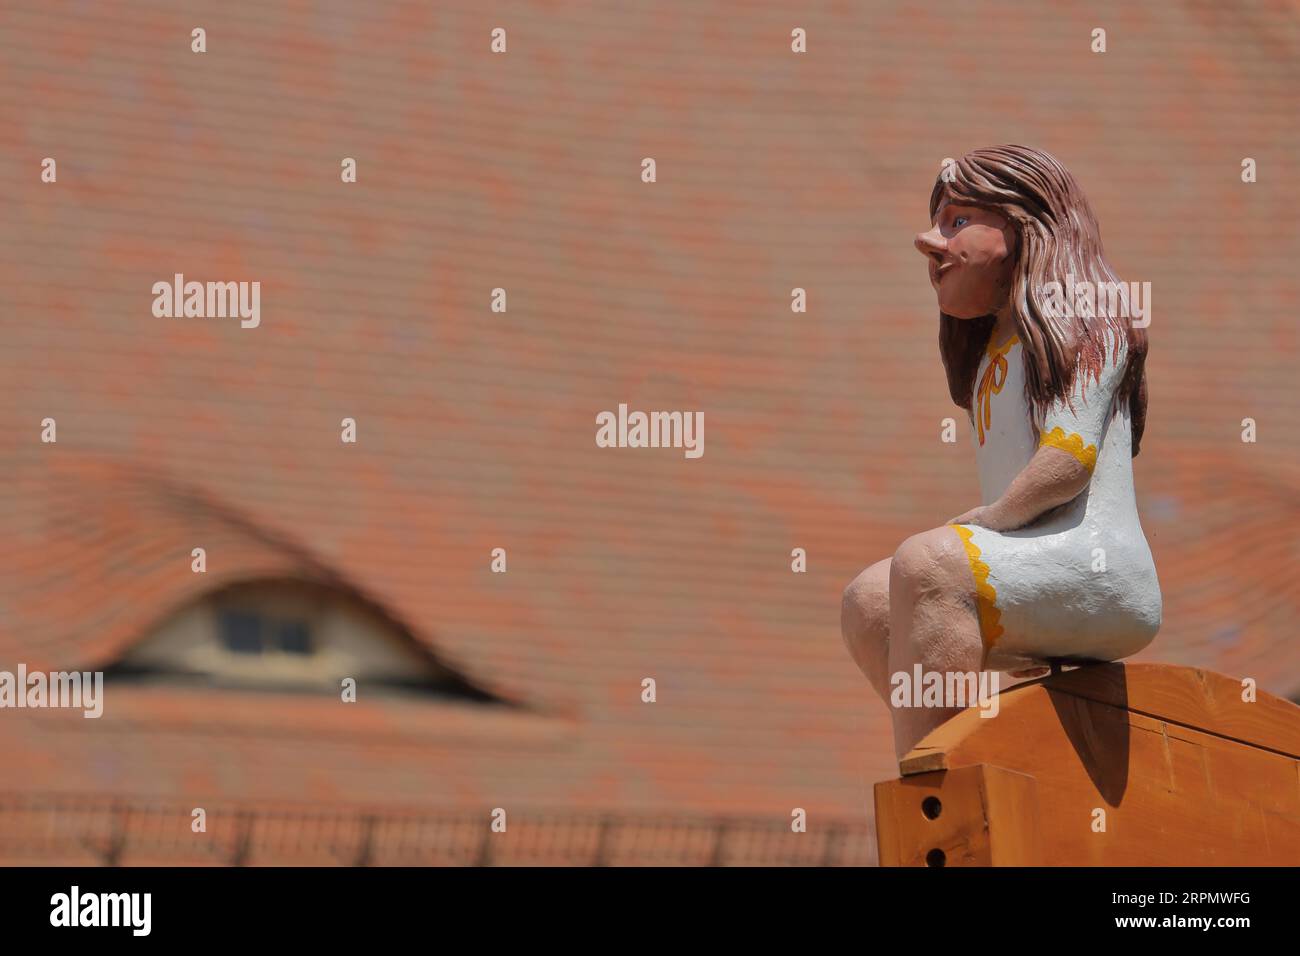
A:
1052, 478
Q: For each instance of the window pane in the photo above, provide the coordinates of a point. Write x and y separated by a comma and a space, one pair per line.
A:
295, 638
241, 632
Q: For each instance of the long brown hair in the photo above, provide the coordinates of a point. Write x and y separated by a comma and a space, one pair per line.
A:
1056, 236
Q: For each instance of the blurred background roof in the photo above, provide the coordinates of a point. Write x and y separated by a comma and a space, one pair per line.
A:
476, 428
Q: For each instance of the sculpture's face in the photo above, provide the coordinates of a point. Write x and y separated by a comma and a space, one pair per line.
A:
971, 252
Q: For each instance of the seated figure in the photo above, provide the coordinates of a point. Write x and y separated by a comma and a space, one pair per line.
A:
1039, 348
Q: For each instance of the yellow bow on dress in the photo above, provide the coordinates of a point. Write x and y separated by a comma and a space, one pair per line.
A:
994, 377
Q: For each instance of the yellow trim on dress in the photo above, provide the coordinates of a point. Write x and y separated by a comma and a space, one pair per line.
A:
991, 383
1071, 444
986, 595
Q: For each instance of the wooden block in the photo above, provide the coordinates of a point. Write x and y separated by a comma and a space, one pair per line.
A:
1137, 765
975, 816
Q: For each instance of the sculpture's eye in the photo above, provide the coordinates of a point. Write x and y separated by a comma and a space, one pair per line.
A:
960, 221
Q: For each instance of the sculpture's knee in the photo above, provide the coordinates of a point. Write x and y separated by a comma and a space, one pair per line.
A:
864, 622
932, 590
865, 605
922, 565
931, 568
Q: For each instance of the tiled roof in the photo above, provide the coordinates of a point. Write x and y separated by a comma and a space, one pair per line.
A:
476, 428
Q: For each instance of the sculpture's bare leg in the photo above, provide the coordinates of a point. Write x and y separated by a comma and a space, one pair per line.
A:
932, 621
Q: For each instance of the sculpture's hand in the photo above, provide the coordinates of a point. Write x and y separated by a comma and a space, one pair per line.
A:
977, 516
995, 517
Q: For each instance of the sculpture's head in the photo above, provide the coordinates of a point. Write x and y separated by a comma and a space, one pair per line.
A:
971, 252
1006, 223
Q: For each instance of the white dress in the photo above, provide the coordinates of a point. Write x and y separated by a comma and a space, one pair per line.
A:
1079, 583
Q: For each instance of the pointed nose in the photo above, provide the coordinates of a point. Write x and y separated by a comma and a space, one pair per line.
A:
931, 244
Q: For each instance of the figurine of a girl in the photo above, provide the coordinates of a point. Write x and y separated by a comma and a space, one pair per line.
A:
1039, 349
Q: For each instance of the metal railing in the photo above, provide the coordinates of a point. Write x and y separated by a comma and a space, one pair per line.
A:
92, 830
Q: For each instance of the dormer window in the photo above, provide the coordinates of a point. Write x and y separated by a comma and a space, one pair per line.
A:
289, 635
